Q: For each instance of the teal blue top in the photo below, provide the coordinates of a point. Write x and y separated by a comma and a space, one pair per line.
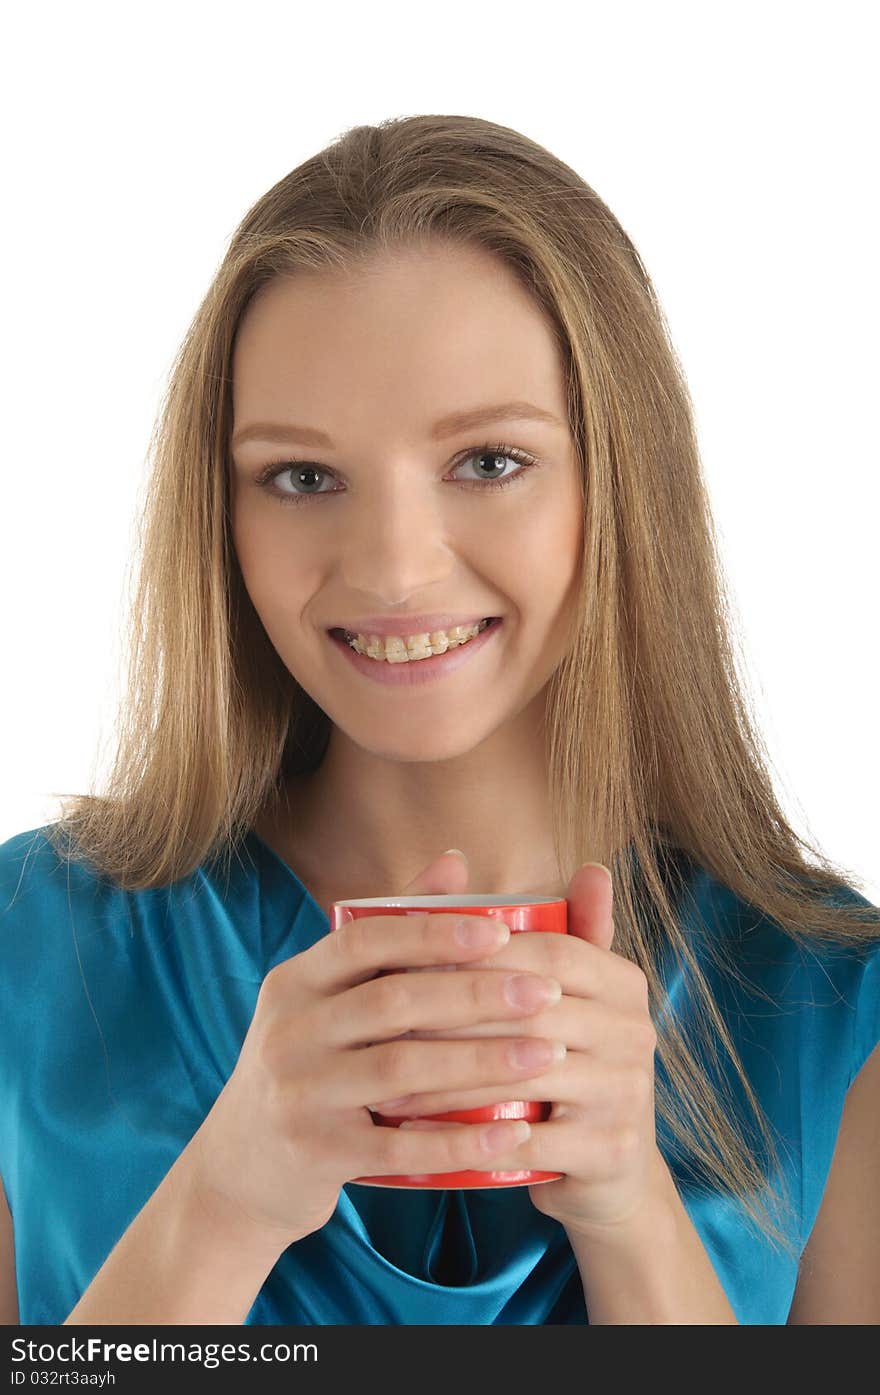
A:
122, 1015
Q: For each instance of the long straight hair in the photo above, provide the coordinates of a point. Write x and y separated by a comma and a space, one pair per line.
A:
655, 762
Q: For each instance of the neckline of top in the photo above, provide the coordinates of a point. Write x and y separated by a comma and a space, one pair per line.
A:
274, 857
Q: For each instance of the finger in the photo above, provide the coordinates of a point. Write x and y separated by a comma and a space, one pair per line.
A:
590, 896
595, 1027
585, 970
398, 1004
393, 1069
359, 949
594, 1155
558, 1145
447, 875
596, 1090
390, 1151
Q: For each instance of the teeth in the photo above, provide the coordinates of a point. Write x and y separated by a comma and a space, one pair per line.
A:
395, 650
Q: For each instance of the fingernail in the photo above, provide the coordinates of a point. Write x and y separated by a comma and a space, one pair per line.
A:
481, 930
529, 991
529, 1052
506, 1135
601, 865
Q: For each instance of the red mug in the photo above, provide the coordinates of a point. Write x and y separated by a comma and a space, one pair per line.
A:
520, 913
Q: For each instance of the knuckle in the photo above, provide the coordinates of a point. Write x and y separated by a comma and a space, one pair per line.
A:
421, 923
443, 1152
447, 1150
346, 940
482, 1054
392, 996
391, 1058
638, 1088
556, 952
647, 1035
383, 1152
392, 1149
628, 1142
285, 983
622, 1145
434, 927
639, 980
459, 1146
482, 990
270, 988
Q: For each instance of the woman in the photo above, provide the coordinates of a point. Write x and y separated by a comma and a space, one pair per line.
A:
431, 387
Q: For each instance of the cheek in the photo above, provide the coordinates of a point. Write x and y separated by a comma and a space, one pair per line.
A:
246, 538
275, 570
281, 583
543, 558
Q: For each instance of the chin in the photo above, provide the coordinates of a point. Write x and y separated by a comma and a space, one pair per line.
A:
418, 747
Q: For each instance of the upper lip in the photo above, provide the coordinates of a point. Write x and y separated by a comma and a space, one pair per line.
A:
405, 624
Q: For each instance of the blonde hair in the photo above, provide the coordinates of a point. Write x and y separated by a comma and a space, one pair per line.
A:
653, 756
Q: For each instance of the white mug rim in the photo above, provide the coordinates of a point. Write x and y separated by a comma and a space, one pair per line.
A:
444, 902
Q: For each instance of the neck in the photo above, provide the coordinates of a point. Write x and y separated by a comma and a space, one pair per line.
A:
362, 825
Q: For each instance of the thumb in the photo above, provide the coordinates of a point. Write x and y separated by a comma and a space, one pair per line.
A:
590, 896
445, 876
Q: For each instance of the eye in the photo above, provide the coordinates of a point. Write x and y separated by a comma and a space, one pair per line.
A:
302, 473
494, 454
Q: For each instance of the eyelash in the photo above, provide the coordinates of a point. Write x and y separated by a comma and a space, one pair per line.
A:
278, 467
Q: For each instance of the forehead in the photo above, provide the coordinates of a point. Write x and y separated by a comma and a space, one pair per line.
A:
434, 328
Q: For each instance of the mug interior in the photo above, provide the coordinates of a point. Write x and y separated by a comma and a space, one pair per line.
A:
424, 902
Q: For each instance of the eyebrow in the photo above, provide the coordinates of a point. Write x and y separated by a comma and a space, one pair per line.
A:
449, 425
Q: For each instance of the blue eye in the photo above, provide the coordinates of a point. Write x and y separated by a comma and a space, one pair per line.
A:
297, 468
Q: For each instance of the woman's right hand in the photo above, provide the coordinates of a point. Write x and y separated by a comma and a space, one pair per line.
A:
327, 1041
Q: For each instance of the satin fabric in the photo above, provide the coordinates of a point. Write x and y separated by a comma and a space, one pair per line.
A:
122, 1015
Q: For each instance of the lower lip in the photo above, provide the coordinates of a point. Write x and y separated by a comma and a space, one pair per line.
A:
415, 672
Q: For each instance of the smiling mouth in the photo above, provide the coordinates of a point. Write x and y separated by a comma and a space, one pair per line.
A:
415, 649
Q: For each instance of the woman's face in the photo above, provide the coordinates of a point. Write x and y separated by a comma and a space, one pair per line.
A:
401, 517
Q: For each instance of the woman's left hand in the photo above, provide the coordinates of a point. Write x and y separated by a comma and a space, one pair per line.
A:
601, 1129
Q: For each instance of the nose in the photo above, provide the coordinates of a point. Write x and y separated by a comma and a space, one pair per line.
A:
397, 546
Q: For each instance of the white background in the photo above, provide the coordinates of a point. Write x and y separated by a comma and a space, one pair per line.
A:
736, 144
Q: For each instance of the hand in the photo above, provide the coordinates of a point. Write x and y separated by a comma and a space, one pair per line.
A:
601, 1130
329, 1037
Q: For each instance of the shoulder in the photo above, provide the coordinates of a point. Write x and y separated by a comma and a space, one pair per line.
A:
53, 910
758, 952
21, 856
43, 894
839, 1275
62, 921
32, 866
33, 877
803, 1013
804, 1010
